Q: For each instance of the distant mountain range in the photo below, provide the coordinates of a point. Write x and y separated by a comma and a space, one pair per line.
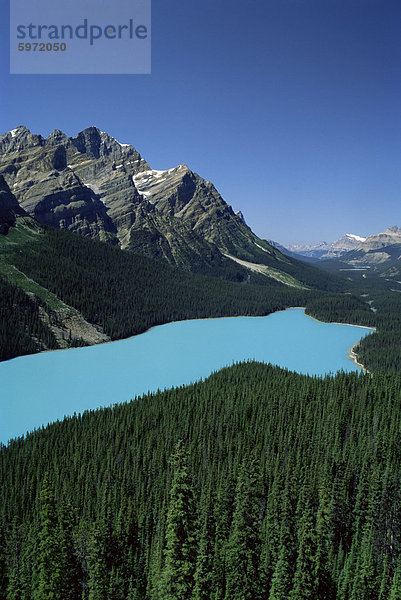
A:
93, 185
379, 254
325, 250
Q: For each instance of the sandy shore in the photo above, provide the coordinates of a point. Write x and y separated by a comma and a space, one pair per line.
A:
351, 354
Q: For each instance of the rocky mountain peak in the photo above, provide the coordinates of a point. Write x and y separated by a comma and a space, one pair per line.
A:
388, 237
57, 137
94, 185
239, 214
88, 142
19, 139
99, 144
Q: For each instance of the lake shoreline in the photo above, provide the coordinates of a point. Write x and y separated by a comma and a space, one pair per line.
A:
177, 354
351, 354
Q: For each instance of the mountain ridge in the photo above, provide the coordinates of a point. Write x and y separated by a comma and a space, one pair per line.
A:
326, 250
93, 185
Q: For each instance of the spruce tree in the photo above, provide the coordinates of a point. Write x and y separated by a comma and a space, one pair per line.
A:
395, 592
281, 579
365, 579
324, 583
283, 572
3, 565
14, 587
243, 580
71, 572
304, 583
97, 563
204, 564
50, 575
177, 577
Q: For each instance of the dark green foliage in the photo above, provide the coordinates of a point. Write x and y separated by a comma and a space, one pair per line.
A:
177, 577
125, 293
3, 565
50, 562
243, 551
322, 521
281, 580
382, 351
21, 330
304, 586
395, 591
203, 578
98, 564
344, 308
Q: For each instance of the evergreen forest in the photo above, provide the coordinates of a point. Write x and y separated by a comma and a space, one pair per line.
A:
257, 483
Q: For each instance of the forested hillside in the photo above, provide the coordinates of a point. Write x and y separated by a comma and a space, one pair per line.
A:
382, 351
121, 293
124, 294
21, 328
290, 490
93, 185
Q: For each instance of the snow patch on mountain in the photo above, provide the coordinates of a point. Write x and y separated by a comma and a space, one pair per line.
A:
324, 250
358, 238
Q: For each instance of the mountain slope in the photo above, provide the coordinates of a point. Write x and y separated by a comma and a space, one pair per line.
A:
10, 210
93, 185
292, 254
86, 292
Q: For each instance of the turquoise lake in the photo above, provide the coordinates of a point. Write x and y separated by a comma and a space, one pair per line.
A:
41, 388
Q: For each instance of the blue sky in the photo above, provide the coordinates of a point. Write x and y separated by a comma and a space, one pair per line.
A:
290, 107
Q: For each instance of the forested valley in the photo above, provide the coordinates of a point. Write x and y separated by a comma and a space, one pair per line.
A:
125, 294
122, 293
256, 483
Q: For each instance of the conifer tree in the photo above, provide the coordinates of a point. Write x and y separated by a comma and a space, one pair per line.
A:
324, 583
97, 563
243, 581
177, 577
71, 574
365, 578
204, 564
304, 583
282, 575
3, 565
223, 516
14, 588
385, 583
395, 592
50, 573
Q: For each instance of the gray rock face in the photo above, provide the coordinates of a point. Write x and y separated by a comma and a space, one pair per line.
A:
10, 210
378, 252
388, 237
19, 139
93, 185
